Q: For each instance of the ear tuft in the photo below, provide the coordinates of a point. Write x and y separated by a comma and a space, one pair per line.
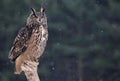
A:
42, 10
33, 10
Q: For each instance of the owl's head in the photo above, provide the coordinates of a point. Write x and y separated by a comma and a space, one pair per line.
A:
37, 17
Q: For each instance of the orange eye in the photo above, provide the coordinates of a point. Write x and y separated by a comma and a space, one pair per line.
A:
35, 16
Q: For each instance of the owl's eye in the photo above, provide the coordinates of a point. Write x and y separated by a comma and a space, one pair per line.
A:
35, 16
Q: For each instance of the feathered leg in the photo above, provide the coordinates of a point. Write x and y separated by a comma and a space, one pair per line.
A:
18, 63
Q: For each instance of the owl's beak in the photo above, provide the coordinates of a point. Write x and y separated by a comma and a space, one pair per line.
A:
34, 12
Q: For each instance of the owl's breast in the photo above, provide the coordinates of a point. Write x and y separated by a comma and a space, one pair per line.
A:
38, 41
43, 37
44, 34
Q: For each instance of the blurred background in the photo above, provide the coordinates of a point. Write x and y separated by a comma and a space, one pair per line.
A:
84, 39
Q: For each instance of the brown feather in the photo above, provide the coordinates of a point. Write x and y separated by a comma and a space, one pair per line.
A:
30, 42
20, 43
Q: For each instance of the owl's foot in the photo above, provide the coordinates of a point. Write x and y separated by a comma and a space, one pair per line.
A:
17, 69
17, 72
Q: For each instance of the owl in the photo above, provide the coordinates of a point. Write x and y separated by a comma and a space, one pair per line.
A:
31, 40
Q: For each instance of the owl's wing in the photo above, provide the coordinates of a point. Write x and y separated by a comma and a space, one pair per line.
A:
20, 44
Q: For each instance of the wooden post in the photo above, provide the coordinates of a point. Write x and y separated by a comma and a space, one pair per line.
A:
30, 70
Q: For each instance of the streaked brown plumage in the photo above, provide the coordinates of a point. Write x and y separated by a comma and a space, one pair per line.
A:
30, 41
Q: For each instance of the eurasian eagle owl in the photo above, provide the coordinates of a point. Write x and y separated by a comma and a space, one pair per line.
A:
31, 40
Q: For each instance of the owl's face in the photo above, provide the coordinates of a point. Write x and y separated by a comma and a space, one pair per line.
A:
36, 17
